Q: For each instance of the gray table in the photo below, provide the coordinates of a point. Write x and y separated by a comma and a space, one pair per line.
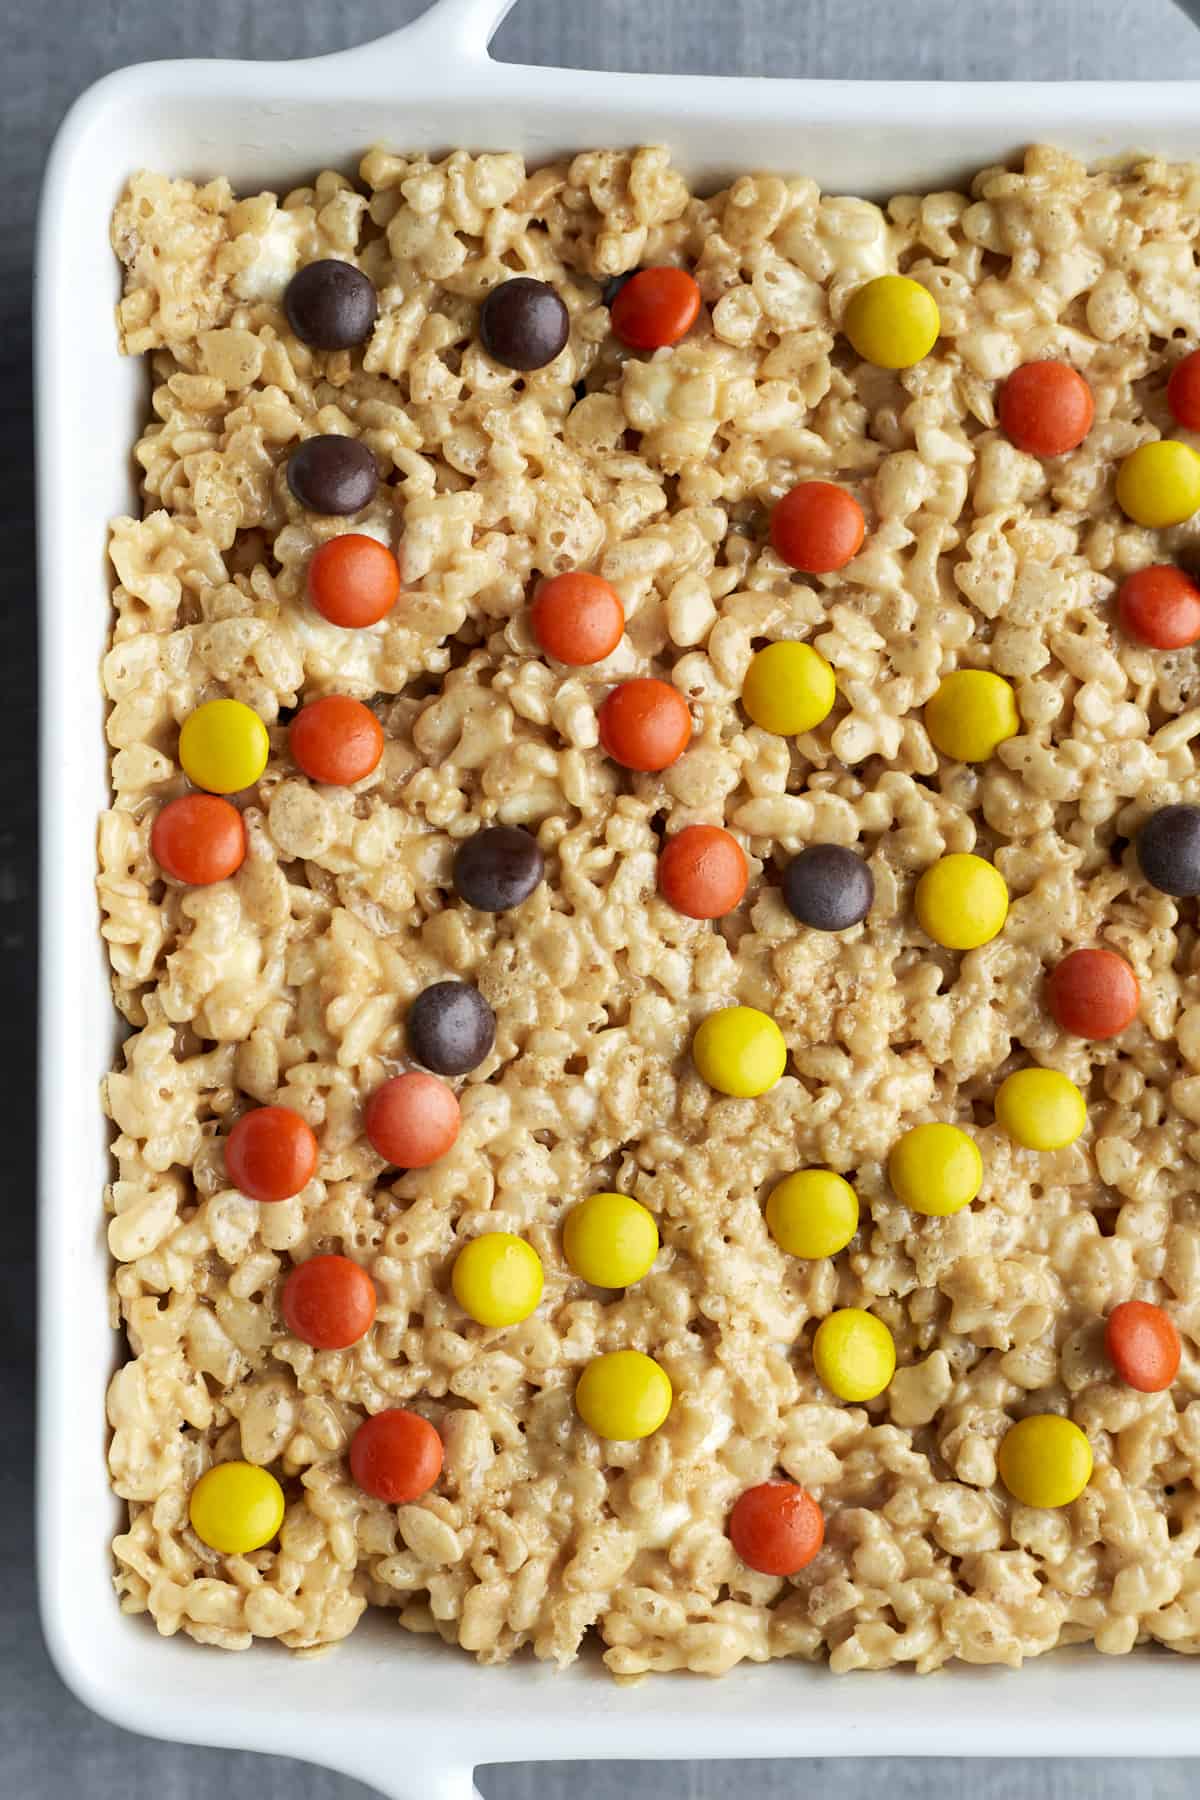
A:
49, 1746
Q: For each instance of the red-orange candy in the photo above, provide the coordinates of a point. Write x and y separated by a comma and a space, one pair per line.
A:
1046, 408
1093, 993
702, 872
271, 1153
655, 307
1183, 392
645, 724
817, 527
198, 838
353, 580
396, 1456
577, 618
412, 1120
328, 1302
336, 740
1160, 606
777, 1528
1143, 1345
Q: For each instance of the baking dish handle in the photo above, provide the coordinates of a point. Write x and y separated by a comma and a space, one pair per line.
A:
448, 32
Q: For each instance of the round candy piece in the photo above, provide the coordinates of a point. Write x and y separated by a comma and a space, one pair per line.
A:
198, 839
645, 724
1143, 1345
336, 740
577, 618
1183, 392
451, 1028
1046, 408
1160, 606
739, 1051
610, 1240
623, 1395
1159, 484
1168, 850
655, 307
776, 1528
497, 1279
331, 305
353, 580
817, 527
497, 868
271, 1153
789, 688
702, 872
961, 902
333, 475
1040, 1109
1045, 1460
935, 1169
812, 1213
971, 715
223, 746
828, 887
396, 1456
1093, 993
412, 1120
892, 321
853, 1354
328, 1302
524, 323
235, 1508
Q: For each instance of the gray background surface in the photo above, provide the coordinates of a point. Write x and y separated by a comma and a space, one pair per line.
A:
49, 1745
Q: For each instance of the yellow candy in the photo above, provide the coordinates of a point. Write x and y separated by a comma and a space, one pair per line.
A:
961, 902
853, 1354
1159, 484
223, 746
1045, 1461
610, 1240
1040, 1109
812, 1213
789, 688
739, 1051
236, 1507
971, 714
623, 1395
497, 1279
935, 1169
893, 321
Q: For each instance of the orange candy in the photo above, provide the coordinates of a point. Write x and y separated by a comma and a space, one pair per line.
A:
645, 724
1183, 392
198, 838
1160, 606
777, 1528
1093, 993
702, 872
353, 580
577, 618
655, 307
271, 1153
817, 527
396, 1456
328, 1302
336, 740
1046, 408
1143, 1345
412, 1120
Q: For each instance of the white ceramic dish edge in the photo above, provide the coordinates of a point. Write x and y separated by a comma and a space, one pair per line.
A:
403, 1713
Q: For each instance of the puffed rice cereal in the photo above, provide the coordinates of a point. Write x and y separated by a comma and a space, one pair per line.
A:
288, 983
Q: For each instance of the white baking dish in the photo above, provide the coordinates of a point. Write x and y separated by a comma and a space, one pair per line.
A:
405, 1713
